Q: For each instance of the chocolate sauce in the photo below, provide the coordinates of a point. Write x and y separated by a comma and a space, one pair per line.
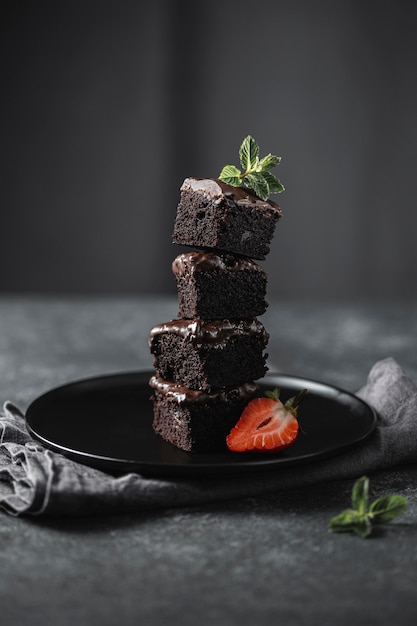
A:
179, 393
217, 190
199, 331
209, 261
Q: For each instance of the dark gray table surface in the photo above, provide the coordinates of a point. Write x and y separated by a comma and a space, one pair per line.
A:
264, 560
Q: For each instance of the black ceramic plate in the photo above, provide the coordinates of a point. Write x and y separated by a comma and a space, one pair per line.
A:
106, 422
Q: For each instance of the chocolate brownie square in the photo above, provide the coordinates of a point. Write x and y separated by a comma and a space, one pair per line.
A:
212, 214
212, 286
197, 421
202, 354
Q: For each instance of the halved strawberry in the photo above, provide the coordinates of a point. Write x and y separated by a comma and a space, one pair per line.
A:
266, 424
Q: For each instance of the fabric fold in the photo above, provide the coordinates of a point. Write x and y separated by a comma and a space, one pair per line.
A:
37, 481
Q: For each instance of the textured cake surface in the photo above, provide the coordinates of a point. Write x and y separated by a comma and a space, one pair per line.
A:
217, 286
212, 214
197, 421
207, 355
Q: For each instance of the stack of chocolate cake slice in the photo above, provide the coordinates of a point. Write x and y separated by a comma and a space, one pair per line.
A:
208, 360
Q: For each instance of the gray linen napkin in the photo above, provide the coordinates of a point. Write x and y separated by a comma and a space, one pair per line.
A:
36, 481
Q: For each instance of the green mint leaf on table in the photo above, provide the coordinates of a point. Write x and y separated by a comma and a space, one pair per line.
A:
256, 175
359, 519
360, 495
351, 521
386, 508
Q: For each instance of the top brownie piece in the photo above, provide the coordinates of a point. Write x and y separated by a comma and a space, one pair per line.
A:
214, 215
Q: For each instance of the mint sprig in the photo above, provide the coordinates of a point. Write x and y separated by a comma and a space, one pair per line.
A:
360, 518
256, 173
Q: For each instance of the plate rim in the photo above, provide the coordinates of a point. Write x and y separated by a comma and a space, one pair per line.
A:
117, 466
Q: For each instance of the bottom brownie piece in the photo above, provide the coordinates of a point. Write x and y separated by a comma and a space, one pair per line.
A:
197, 421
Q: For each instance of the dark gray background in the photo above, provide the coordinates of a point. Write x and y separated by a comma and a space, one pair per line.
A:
108, 106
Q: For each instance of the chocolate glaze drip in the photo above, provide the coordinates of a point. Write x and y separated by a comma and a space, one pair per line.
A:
217, 190
203, 331
208, 261
179, 393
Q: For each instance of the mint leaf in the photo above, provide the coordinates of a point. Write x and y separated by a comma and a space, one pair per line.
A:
351, 521
268, 162
359, 519
230, 175
363, 528
258, 184
360, 495
274, 184
256, 175
344, 521
386, 508
249, 154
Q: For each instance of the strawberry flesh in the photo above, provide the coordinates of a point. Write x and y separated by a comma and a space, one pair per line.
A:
265, 424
